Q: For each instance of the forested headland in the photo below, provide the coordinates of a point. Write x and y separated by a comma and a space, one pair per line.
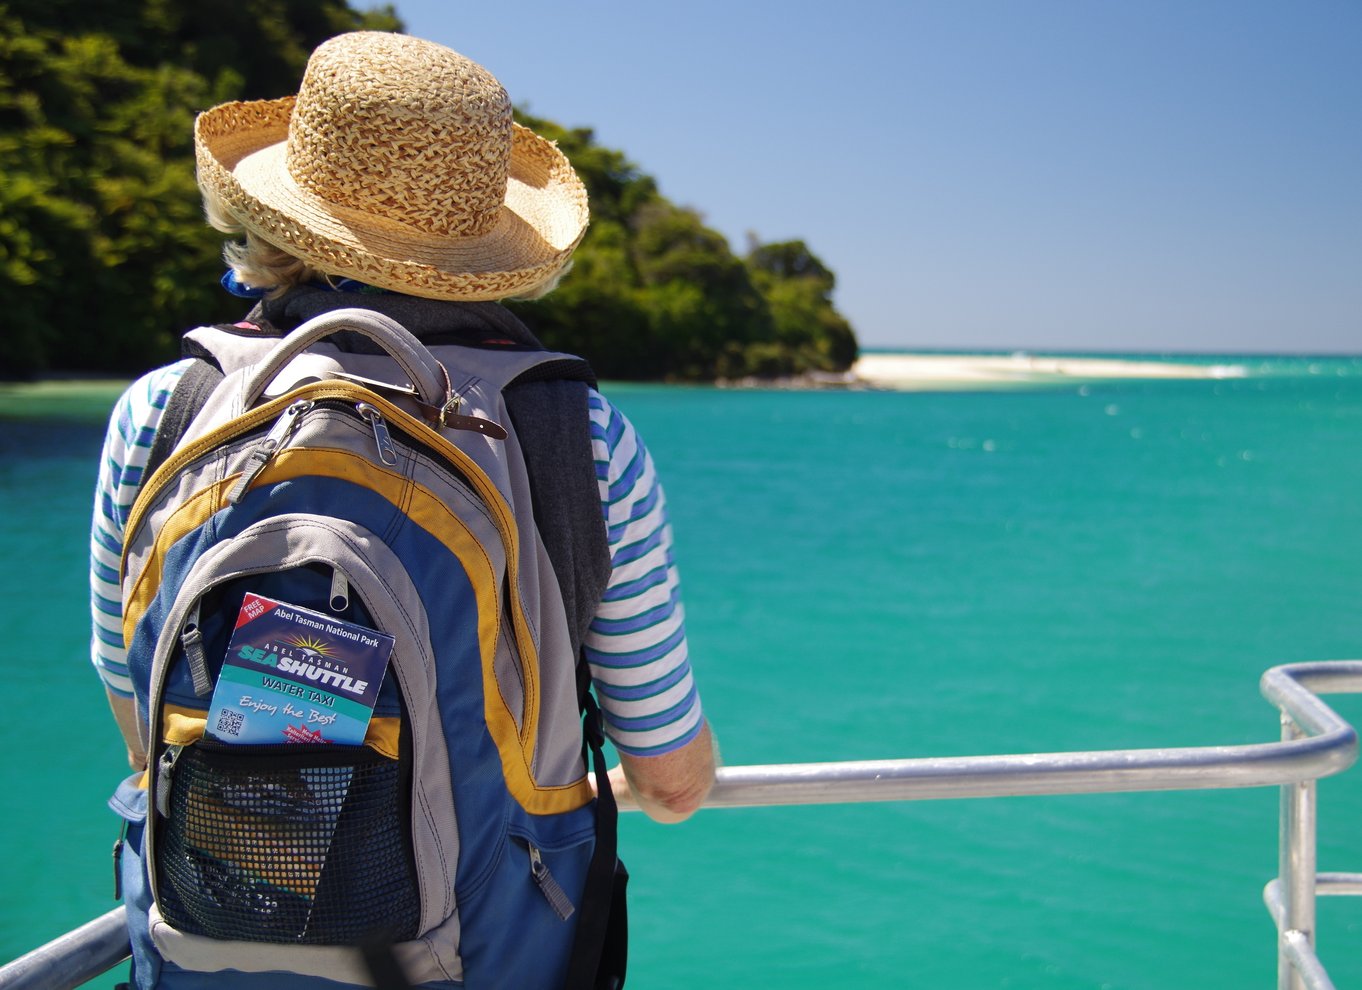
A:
105, 258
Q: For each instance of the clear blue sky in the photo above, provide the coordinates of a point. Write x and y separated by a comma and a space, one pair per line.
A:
1150, 175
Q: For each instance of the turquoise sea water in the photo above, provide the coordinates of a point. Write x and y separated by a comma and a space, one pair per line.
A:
874, 575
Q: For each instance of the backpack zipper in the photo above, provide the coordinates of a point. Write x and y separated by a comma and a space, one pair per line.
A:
192, 641
551, 889
262, 452
165, 769
387, 453
339, 599
118, 859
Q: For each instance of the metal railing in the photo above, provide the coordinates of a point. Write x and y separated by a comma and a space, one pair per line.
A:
1315, 743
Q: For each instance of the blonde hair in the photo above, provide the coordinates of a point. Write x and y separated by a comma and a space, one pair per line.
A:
261, 265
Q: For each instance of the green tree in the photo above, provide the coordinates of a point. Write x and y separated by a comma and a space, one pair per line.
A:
798, 288
104, 255
700, 296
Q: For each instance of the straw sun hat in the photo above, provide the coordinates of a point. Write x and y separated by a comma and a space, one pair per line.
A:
397, 164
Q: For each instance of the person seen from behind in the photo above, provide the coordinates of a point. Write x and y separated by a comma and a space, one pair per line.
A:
397, 181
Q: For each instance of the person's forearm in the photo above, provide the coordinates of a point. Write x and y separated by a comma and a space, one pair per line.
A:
125, 714
672, 787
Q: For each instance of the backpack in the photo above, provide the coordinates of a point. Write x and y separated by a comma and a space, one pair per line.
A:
460, 844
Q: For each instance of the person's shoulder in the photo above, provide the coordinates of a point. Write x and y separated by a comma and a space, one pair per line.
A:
153, 387
612, 433
139, 409
605, 415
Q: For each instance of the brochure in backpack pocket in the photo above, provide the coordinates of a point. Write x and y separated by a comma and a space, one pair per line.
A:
295, 675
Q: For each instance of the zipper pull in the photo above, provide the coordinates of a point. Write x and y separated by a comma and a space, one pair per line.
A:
165, 767
339, 599
192, 641
262, 452
387, 453
549, 887
118, 860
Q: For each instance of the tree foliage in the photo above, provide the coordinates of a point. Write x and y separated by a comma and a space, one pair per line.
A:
105, 258
798, 288
104, 255
654, 293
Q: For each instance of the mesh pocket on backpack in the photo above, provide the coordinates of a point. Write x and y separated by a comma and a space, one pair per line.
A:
295, 843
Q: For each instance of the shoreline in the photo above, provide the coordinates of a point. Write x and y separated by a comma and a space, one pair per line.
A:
898, 372
941, 371
962, 372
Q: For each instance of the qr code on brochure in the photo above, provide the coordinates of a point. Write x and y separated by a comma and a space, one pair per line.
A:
230, 722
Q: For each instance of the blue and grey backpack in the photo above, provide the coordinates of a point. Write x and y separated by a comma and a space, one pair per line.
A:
461, 844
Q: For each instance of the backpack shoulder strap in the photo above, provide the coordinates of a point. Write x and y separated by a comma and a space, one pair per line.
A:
552, 423
209, 365
188, 397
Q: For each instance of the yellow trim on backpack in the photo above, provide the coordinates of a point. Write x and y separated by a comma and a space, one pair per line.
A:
515, 745
151, 487
191, 514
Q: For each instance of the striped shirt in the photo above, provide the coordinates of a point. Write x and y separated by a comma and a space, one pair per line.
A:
636, 644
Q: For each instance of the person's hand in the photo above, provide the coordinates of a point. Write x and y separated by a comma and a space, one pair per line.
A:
668, 788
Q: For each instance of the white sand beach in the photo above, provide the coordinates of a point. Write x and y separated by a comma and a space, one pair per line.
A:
941, 372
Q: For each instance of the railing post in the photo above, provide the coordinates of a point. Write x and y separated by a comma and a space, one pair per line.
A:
1296, 866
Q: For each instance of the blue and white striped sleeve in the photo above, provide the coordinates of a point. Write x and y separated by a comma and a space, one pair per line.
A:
636, 644
127, 443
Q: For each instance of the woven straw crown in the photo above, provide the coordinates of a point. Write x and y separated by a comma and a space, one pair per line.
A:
397, 164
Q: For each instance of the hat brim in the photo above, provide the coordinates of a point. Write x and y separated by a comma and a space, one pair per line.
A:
240, 154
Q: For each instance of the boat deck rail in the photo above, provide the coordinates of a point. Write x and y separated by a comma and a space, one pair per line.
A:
1315, 742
